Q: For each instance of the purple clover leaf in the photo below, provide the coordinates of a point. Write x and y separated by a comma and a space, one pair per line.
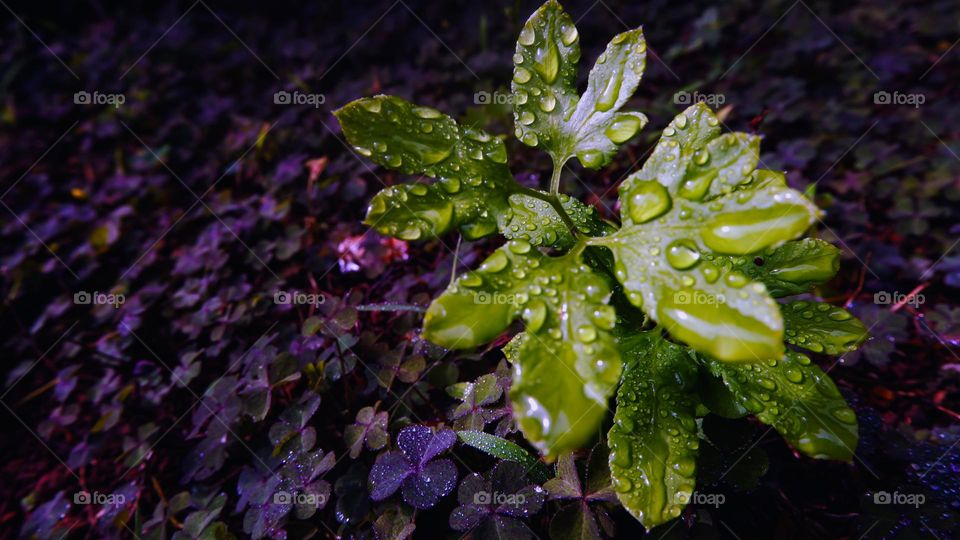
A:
422, 480
478, 402
370, 429
490, 505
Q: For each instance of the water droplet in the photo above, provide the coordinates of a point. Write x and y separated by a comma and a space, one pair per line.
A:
794, 375
427, 112
647, 200
621, 129
494, 263
530, 139
534, 314
845, 415
590, 158
548, 103
568, 34
547, 61
682, 254
586, 333
521, 75
527, 118
371, 105
526, 36
680, 121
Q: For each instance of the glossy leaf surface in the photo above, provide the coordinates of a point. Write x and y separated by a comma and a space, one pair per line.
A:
798, 399
653, 442
822, 328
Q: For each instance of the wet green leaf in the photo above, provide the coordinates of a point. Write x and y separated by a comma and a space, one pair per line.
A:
471, 165
535, 220
793, 268
822, 328
549, 114
680, 215
504, 449
653, 441
798, 399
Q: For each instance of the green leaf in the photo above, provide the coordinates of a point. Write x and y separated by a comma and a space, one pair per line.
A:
717, 397
798, 399
535, 220
680, 217
822, 328
653, 441
504, 449
549, 114
567, 366
793, 268
471, 164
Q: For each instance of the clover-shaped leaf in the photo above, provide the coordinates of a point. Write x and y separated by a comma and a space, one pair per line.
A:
578, 519
477, 397
822, 328
549, 114
293, 423
567, 366
422, 479
491, 505
798, 399
653, 441
698, 196
370, 429
474, 180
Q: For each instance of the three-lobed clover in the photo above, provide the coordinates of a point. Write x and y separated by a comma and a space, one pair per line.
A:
708, 242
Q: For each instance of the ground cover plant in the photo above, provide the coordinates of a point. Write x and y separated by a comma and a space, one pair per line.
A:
546, 326
704, 234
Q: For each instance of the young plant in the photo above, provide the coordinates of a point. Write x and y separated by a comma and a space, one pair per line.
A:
676, 307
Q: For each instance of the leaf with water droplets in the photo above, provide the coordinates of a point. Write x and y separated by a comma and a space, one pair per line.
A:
535, 220
822, 328
798, 399
567, 366
793, 268
653, 441
471, 165
671, 252
568, 343
549, 114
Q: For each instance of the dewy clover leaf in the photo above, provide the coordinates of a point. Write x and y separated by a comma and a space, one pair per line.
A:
675, 311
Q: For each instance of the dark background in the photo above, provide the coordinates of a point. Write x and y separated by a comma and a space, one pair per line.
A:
193, 200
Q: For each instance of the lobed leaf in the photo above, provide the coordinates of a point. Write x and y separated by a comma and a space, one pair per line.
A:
822, 328
793, 268
471, 165
567, 366
798, 399
549, 114
653, 442
681, 220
